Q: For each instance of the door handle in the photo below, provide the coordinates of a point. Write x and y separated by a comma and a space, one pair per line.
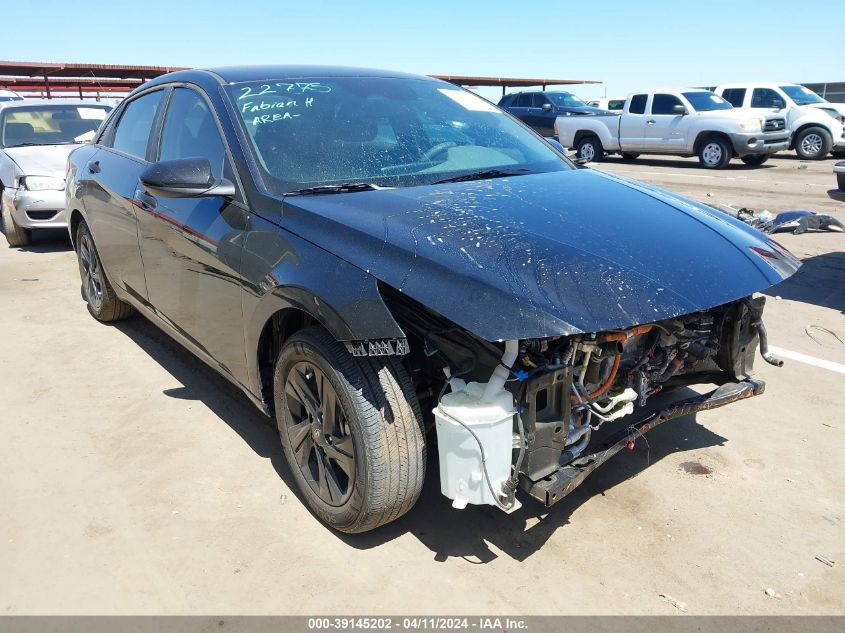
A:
651, 121
94, 167
147, 202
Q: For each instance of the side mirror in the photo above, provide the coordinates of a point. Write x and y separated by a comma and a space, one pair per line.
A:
679, 109
778, 104
547, 107
184, 178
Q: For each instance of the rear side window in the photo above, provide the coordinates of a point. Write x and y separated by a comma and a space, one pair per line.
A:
638, 104
191, 132
764, 98
663, 104
616, 104
734, 96
523, 100
133, 130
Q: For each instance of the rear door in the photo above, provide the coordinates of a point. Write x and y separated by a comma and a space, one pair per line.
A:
632, 124
665, 130
112, 175
192, 246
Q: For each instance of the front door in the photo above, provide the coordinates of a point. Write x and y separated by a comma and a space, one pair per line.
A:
666, 130
192, 246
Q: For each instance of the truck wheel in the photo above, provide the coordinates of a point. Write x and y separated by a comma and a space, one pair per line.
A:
714, 153
590, 149
627, 156
15, 235
102, 301
754, 161
813, 143
351, 430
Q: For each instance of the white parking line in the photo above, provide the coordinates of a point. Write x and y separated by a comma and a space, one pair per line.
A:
809, 360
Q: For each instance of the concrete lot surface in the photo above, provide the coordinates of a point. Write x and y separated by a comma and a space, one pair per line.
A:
135, 481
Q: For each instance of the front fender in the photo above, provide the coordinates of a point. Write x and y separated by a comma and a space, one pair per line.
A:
282, 271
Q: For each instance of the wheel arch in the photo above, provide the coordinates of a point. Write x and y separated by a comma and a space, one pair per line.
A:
75, 218
706, 134
286, 310
804, 126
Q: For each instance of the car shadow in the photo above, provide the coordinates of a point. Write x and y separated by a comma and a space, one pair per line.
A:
735, 164
201, 383
447, 532
470, 533
48, 241
818, 282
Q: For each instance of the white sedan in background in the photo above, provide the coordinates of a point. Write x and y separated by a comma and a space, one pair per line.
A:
36, 137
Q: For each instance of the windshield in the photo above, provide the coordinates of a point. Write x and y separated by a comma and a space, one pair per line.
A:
565, 100
704, 101
50, 124
387, 132
801, 95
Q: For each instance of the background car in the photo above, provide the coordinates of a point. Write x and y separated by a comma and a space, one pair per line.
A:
9, 95
35, 139
839, 192
605, 103
539, 109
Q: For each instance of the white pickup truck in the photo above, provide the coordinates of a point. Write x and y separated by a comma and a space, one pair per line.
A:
685, 122
815, 124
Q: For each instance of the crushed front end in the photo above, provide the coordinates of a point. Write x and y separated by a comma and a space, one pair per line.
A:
541, 414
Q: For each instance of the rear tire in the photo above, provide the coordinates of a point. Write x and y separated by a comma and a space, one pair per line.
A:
99, 295
813, 143
714, 153
754, 161
590, 149
627, 156
351, 430
15, 235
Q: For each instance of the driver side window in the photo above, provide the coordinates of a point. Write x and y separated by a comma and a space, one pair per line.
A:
190, 131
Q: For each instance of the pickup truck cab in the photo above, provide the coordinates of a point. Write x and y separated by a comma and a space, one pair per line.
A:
815, 125
684, 122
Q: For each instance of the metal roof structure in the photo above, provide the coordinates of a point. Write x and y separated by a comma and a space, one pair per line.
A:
46, 79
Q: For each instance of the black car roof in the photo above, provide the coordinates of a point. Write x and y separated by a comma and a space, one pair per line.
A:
237, 74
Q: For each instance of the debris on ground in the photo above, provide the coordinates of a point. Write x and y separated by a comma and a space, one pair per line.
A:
796, 222
825, 560
821, 329
681, 606
771, 593
801, 221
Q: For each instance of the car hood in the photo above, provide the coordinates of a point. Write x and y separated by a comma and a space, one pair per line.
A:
582, 110
544, 254
41, 160
838, 107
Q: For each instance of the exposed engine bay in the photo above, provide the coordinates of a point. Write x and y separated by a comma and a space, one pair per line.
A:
529, 411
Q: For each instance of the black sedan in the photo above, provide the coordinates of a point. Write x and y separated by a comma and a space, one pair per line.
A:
371, 255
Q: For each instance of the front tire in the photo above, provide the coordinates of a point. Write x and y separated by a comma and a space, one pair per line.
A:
590, 149
714, 153
813, 143
351, 430
99, 295
15, 235
754, 161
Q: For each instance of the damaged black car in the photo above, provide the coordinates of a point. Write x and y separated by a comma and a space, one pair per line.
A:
387, 263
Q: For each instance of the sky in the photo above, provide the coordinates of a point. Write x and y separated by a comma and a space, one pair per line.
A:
627, 45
